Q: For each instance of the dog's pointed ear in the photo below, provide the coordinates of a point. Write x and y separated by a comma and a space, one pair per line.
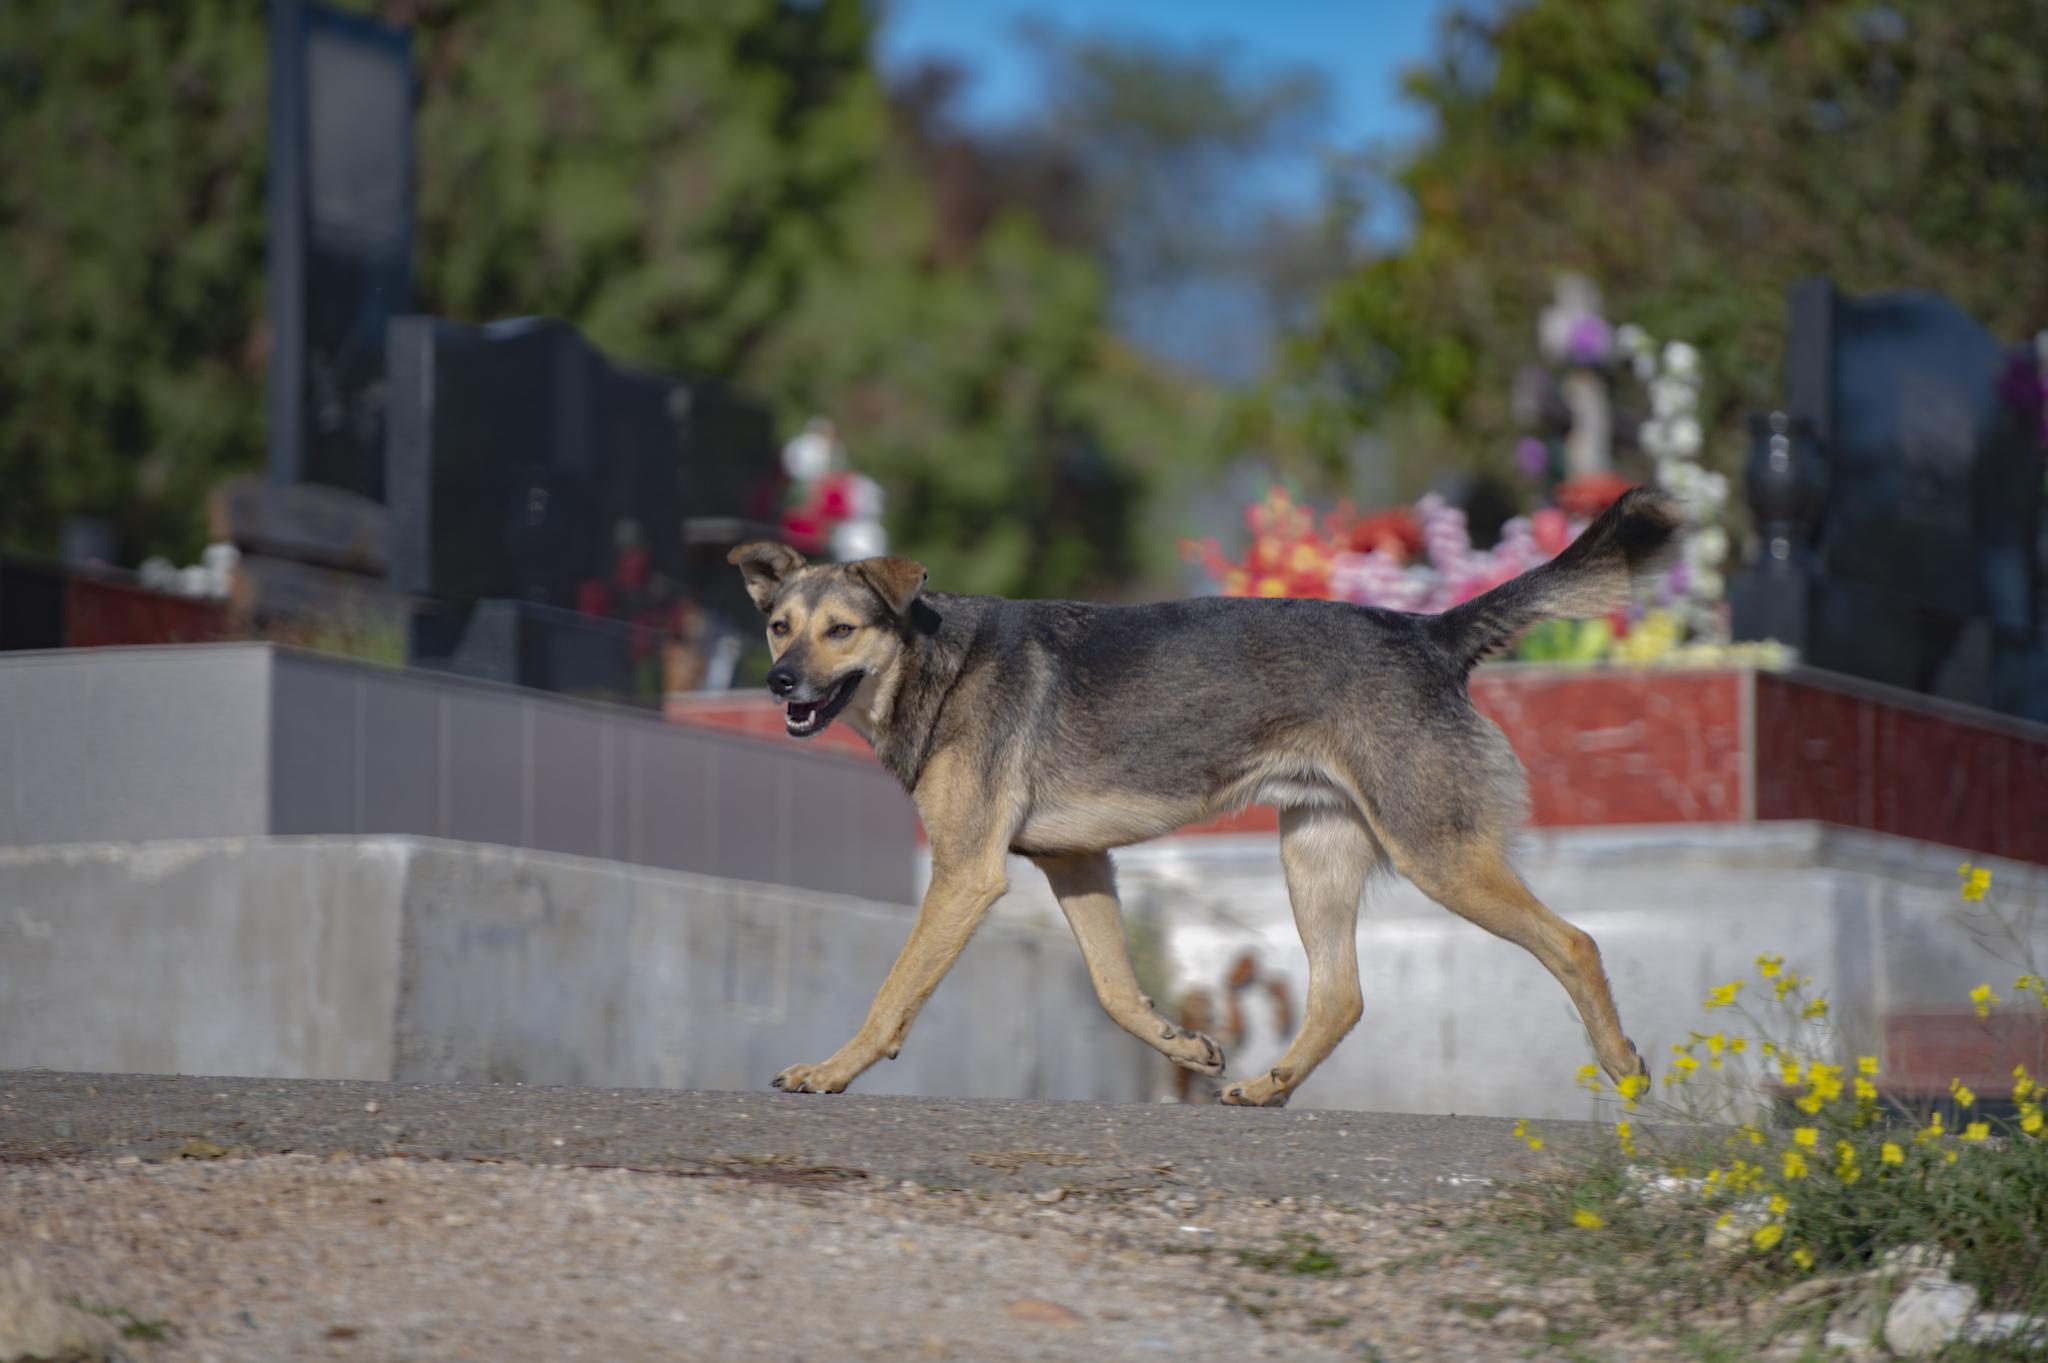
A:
896, 580
765, 564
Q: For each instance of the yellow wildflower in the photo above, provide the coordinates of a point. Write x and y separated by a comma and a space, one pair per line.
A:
1631, 1088
1724, 995
1817, 1008
1866, 1064
1792, 1072
1983, 998
1805, 1135
1976, 1131
2022, 1083
2031, 1120
1890, 1153
1586, 1220
1766, 1236
1948, 1157
1932, 1131
1976, 881
1589, 1076
1963, 1096
1866, 1092
1795, 1164
1768, 966
1786, 984
1803, 1257
1738, 1044
1526, 1136
1755, 1136
1779, 1206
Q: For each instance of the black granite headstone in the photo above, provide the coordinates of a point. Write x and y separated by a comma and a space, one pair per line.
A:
340, 238
1917, 561
516, 449
519, 460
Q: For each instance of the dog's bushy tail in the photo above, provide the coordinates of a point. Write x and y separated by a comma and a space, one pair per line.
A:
1633, 538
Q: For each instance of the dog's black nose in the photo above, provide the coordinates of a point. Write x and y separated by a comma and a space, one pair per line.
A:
781, 680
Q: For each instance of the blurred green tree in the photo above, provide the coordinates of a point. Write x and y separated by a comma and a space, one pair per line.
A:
710, 186
1178, 148
1694, 157
131, 263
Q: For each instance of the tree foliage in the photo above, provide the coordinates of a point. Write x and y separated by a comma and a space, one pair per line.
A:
708, 186
131, 262
1178, 146
1695, 157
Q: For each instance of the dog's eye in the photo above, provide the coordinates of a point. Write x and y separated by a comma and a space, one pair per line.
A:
839, 631
779, 628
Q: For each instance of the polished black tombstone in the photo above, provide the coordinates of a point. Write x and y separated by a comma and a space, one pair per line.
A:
1898, 502
339, 260
516, 449
519, 459
31, 604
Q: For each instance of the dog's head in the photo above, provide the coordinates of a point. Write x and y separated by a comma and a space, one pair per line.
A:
832, 627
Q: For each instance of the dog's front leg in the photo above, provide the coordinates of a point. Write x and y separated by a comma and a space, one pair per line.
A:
968, 877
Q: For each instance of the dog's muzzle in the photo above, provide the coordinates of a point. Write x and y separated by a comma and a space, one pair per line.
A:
806, 717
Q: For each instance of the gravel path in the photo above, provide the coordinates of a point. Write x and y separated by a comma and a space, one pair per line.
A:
294, 1256
965, 1143
754, 1227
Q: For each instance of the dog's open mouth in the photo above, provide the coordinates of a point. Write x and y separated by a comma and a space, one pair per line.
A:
805, 718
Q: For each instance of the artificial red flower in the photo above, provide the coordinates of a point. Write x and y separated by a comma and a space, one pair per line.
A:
1394, 532
834, 497
802, 531
1551, 529
633, 569
1589, 494
1286, 556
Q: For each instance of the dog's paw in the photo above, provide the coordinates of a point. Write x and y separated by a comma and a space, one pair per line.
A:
1190, 1050
1634, 1065
810, 1079
1268, 1090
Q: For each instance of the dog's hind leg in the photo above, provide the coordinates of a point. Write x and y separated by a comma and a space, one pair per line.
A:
1085, 885
1473, 880
1327, 853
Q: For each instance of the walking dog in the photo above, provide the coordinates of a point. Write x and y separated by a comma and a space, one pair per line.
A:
1059, 730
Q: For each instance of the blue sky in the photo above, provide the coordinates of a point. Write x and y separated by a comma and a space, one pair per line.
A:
1360, 47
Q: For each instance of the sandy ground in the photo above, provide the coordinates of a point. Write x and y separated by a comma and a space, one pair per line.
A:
346, 1257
